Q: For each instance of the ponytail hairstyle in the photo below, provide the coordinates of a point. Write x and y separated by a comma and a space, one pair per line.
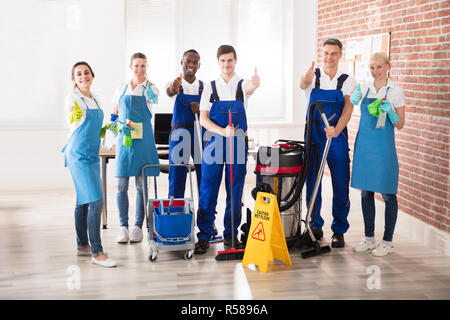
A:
139, 55
80, 63
380, 57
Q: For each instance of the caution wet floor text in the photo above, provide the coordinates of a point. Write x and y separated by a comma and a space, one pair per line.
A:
266, 239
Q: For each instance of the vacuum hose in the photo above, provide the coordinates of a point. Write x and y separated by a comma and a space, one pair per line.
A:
301, 179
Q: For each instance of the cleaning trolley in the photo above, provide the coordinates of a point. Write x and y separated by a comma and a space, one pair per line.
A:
170, 221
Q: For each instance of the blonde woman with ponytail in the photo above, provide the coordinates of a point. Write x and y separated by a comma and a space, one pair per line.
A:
375, 163
133, 104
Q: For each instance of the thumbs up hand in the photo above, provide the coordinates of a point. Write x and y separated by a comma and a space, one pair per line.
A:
356, 95
253, 84
151, 94
176, 84
309, 75
77, 113
255, 80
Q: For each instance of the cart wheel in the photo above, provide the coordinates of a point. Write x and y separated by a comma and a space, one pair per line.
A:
152, 257
188, 255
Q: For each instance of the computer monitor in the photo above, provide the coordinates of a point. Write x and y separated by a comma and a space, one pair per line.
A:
163, 125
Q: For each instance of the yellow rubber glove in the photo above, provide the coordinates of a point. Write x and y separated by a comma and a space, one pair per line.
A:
77, 113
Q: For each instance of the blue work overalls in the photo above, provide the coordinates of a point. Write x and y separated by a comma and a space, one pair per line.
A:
183, 122
338, 158
215, 154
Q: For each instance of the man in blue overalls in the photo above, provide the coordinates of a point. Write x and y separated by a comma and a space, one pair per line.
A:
221, 98
184, 142
332, 89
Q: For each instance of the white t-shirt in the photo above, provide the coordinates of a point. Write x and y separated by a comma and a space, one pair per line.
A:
395, 95
226, 92
83, 102
136, 92
326, 83
188, 88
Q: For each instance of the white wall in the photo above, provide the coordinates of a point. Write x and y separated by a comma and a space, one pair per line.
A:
40, 42
305, 17
30, 156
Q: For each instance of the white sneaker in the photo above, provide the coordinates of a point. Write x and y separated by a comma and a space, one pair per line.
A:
364, 245
108, 263
123, 235
382, 250
136, 235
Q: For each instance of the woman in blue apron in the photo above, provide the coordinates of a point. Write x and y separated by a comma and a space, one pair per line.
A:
136, 144
375, 164
81, 155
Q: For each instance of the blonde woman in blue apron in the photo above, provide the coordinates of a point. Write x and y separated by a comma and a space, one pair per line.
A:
375, 164
136, 144
81, 154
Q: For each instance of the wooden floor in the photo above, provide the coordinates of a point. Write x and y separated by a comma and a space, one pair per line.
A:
38, 260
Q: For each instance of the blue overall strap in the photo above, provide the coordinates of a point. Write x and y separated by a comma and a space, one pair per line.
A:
180, 90
340, 81
239, 92
385, 96
214, 95
317, 72
367, 93
125, 90
200, 87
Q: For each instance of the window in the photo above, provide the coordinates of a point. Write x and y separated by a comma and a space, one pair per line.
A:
260, 30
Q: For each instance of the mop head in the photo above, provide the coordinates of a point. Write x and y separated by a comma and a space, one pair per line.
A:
317, 250
232, 254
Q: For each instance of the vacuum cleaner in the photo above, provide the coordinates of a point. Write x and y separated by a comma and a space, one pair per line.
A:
281, 169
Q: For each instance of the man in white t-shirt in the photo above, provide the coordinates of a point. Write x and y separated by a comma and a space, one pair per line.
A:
223, 100
332, 89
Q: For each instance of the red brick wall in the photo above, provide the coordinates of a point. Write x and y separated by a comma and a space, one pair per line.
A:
420, 44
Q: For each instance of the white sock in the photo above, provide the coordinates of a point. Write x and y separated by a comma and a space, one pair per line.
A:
370, 239
387, 243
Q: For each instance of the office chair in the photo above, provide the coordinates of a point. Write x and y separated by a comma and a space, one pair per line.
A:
163, 125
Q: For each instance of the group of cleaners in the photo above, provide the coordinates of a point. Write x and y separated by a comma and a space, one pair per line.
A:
220, 106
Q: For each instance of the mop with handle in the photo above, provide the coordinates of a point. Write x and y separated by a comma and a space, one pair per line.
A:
317, 249
233, 253
214, 238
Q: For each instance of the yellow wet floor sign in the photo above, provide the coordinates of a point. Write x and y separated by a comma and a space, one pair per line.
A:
266, 239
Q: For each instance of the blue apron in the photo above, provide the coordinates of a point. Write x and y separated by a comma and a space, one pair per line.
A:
130, 160
81, 156
216, 153
375, 164
183, 126
338, 159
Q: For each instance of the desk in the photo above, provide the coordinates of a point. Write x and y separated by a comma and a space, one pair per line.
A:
105, 155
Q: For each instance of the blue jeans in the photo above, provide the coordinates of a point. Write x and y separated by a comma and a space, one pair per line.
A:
390, 213
87, 220
123, 203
